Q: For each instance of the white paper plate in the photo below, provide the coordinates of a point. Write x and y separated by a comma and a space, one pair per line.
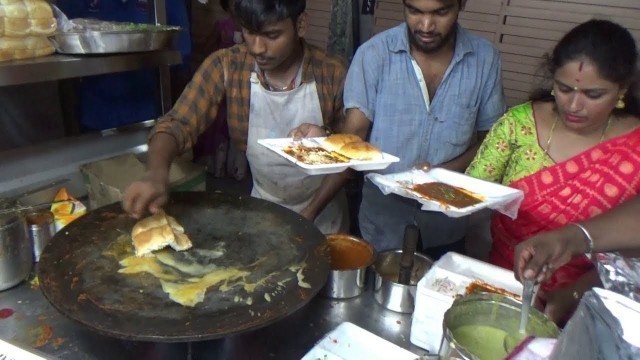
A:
277, 146
349, 341
498, 197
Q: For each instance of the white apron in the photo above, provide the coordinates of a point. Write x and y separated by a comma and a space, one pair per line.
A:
273, 115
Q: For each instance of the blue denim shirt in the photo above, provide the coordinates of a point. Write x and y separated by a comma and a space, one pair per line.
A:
382, 83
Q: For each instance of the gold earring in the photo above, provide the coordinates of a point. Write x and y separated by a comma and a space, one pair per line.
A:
620, 104
553, 92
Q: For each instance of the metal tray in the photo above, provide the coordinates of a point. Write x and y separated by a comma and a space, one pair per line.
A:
108, 42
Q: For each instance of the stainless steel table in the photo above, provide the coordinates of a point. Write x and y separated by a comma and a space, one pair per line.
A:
35, 324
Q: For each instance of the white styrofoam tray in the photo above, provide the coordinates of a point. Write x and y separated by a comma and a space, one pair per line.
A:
351, 342
498, 197
9, 351
277, 146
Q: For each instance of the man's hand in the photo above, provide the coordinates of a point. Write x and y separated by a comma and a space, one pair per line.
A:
539, 256
147, 194
423, 166
308, 214
307, 130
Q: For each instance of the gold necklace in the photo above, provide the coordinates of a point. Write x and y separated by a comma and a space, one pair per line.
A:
553, 127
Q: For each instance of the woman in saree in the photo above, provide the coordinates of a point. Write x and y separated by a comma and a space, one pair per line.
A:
574, 151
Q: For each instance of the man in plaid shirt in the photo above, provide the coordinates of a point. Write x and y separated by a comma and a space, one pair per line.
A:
272, 83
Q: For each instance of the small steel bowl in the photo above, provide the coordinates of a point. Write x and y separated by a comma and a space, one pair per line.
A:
350, 258
387, 291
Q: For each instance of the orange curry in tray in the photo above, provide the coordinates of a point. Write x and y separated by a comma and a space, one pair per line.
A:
478, 286
447, 195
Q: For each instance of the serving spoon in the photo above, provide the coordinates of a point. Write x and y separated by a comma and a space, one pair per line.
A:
513, 340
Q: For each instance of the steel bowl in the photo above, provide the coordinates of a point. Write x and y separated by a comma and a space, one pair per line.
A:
492, 317
16, 249
106, 42
387, 291
350, 258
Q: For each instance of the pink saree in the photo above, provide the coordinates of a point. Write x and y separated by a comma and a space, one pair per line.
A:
577, 189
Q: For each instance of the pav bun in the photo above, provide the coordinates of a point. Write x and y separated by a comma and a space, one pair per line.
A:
157, 232
360, 150
336, 141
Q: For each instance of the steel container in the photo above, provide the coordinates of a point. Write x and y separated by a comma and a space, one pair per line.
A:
387, 291
41, 229
350, 258
16, 250
484, 310
106, 42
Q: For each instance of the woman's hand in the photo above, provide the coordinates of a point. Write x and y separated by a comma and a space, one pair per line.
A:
559, 304
537, 257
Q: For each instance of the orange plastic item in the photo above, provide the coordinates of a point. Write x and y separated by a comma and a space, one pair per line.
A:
65, 212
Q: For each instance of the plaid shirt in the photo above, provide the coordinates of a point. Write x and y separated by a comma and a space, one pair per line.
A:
226, 74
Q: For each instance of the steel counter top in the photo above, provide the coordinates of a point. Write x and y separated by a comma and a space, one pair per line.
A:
29, 321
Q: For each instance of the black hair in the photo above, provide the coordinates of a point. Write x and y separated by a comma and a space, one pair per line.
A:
461, 4
610, 47
224, 4
254, 15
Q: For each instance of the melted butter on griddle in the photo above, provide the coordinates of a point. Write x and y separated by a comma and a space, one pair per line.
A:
186, 262
298, 270
134, 264
191, 293
121, 248
186, 276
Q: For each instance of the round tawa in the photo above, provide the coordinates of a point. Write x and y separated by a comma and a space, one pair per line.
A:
281, 257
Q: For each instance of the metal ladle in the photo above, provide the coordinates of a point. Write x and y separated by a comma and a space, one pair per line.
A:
513, 340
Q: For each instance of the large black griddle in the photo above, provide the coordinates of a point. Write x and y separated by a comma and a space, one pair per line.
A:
84, 284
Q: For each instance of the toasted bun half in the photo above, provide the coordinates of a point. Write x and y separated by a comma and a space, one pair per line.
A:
153, 239
336, 141
360, 151
158, 231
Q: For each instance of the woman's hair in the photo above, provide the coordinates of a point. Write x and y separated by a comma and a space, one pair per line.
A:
254, 15
610, 47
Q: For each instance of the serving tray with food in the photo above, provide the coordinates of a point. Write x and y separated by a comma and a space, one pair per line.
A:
450, 192
332, 154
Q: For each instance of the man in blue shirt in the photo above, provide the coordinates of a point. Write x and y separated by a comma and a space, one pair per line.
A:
427, 91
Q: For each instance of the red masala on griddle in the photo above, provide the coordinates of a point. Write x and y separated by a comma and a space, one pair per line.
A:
446, 194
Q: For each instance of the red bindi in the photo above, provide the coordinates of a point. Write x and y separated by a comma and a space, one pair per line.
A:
581, 66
